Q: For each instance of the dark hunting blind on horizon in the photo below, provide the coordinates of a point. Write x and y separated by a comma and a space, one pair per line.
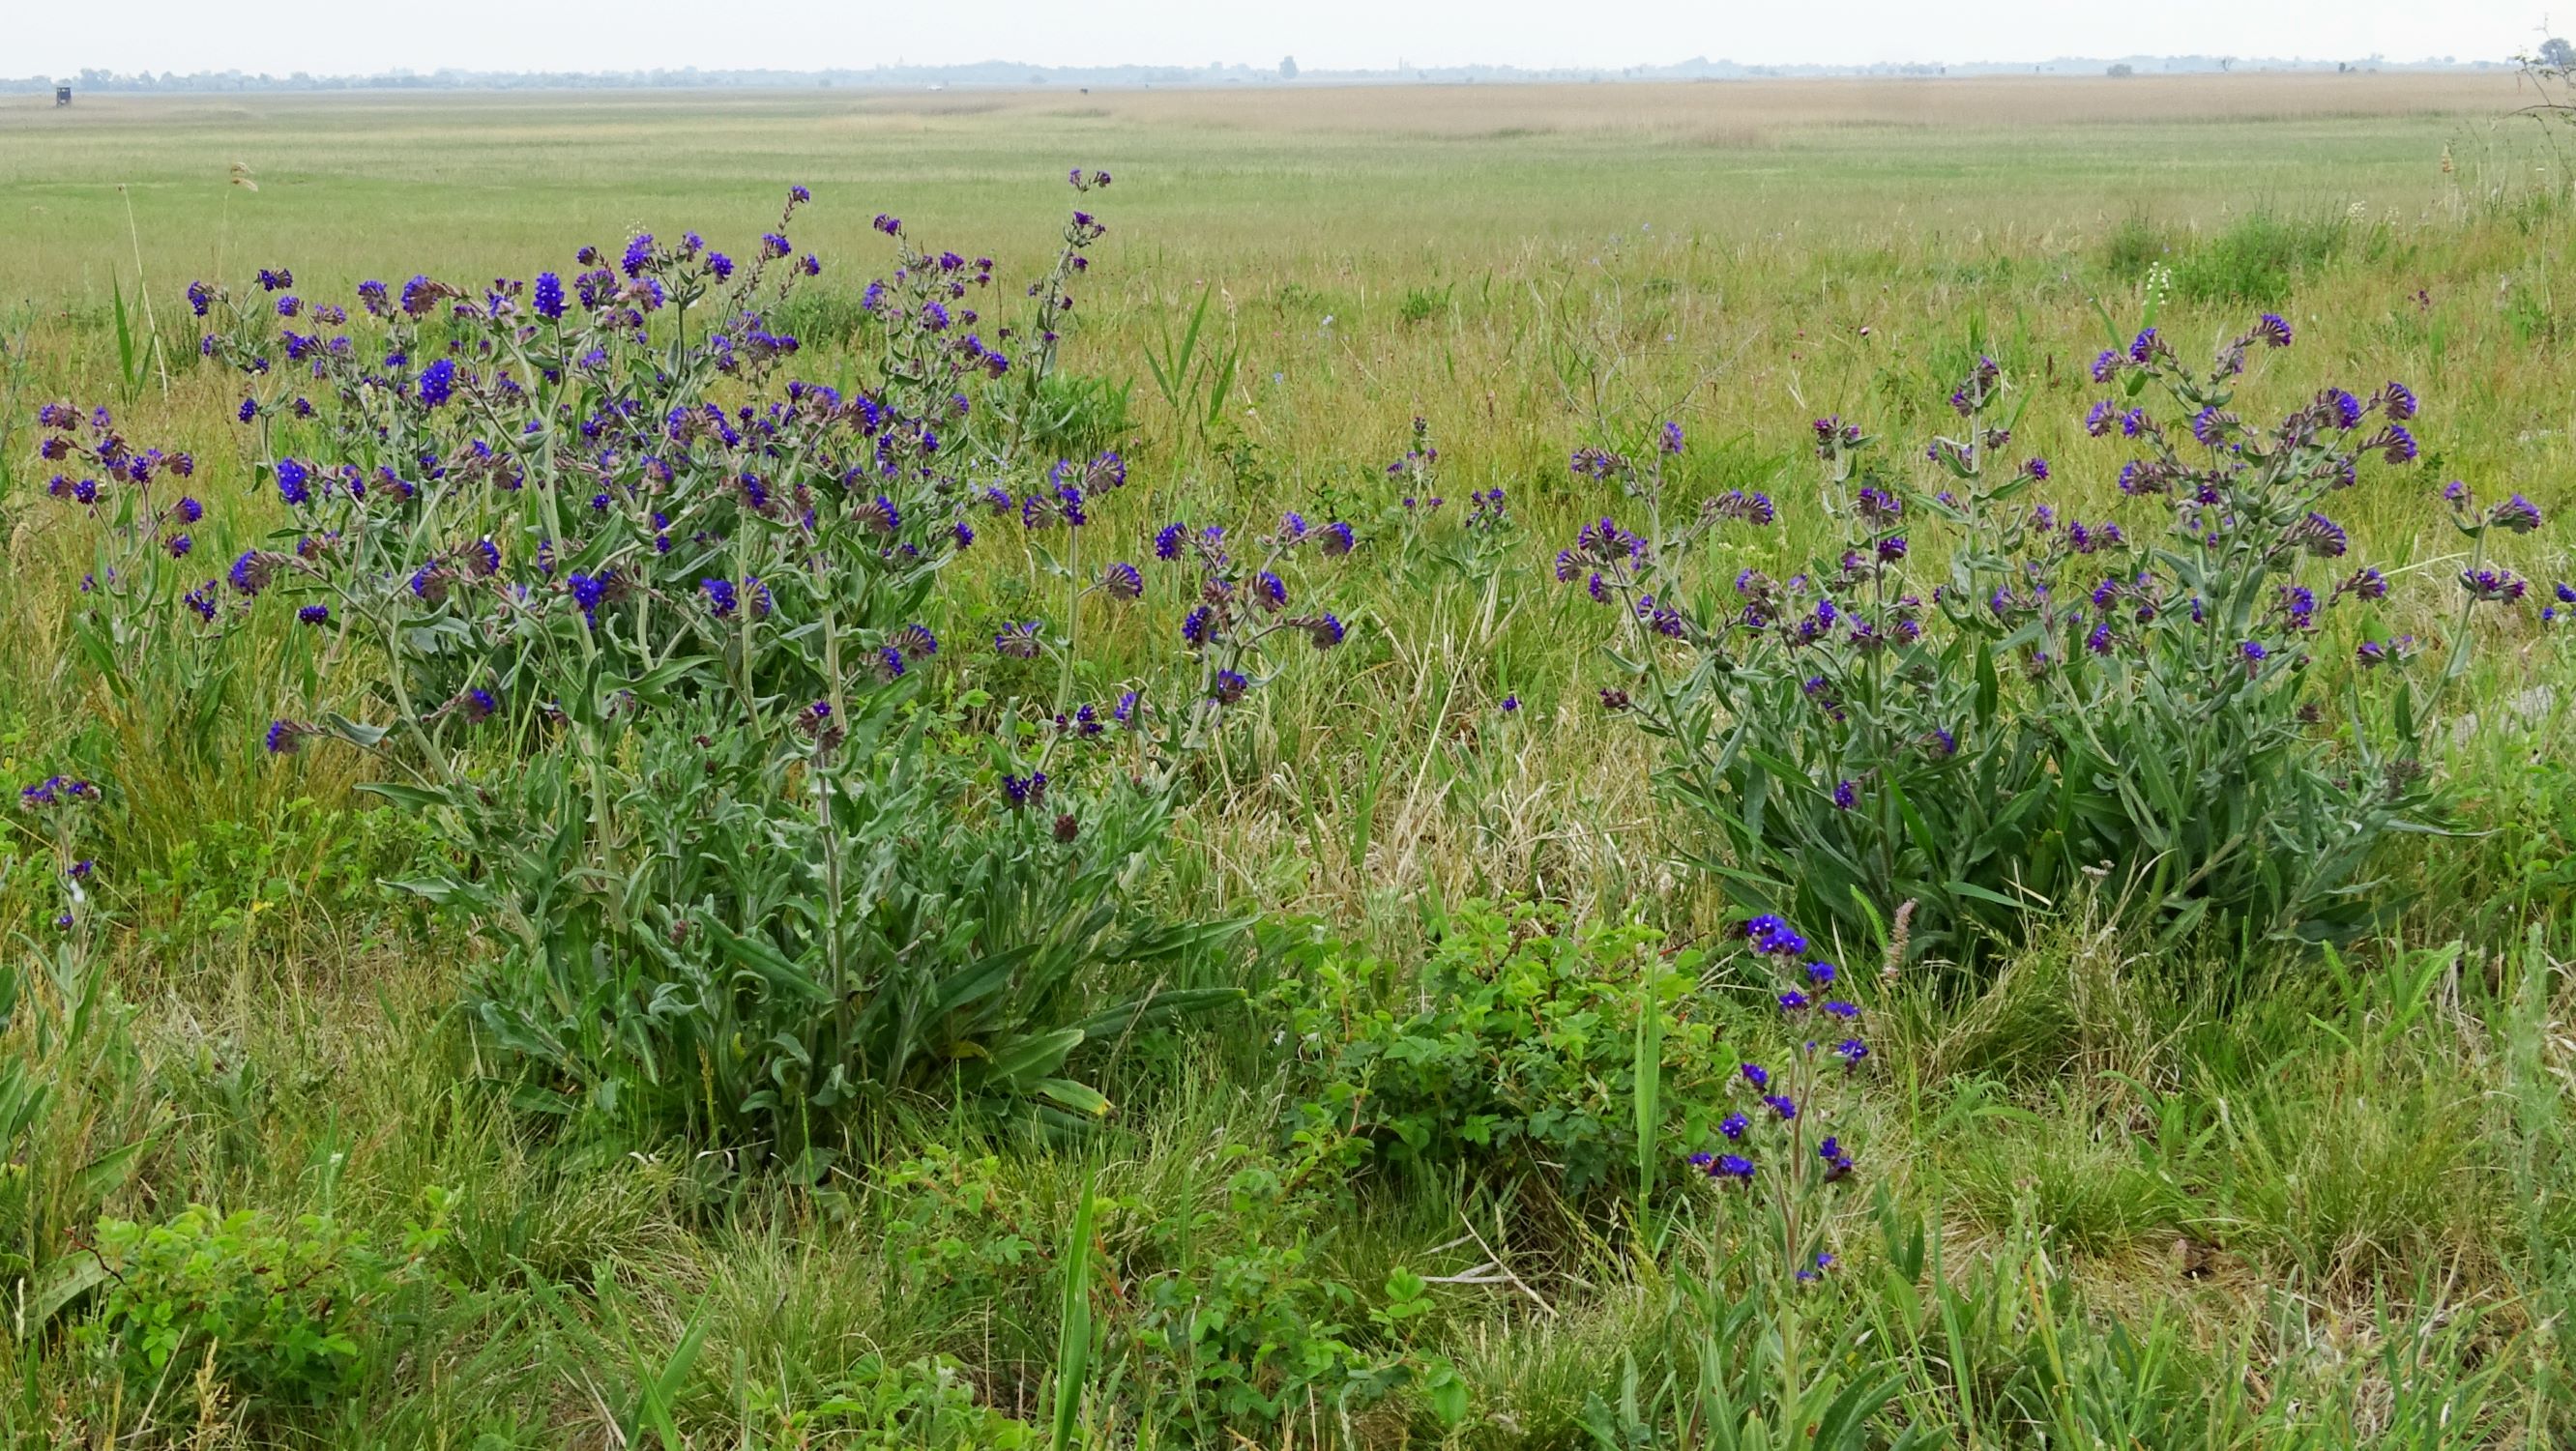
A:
62, 95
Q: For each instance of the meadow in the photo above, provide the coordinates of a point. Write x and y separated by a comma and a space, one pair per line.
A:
1403, 976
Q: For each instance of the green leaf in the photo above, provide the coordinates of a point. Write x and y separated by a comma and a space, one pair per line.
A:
418, 798
1022, 1059
365, 737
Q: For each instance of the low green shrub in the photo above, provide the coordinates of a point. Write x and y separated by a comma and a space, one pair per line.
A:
289, 1313
1512, 1050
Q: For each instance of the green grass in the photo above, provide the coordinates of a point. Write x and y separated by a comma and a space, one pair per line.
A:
2224, 1197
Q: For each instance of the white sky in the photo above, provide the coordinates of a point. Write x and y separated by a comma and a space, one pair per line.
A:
365, 36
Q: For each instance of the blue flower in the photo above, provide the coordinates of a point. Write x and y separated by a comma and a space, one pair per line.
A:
1169, 539
1782, 1105
721, 598
589, 591
314, 614
1771, 935
1228, 687
1732, 1166
437, 382
549, 296
1732, 1126
1755, 1074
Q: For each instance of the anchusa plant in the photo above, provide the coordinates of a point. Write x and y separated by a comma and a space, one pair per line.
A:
2042, 697
653, 627
50, 813
146, 622
1784, 1142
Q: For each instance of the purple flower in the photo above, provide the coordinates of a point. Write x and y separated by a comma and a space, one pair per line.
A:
2273, 330
1672, 438
1755, 1074
1733, 1126
1122, 581
1732, 1166
314, 614
2517, 514
1228, 687
1019, 641
1846, 795
549, 296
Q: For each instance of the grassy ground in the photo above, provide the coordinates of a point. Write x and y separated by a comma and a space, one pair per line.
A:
2224, 1196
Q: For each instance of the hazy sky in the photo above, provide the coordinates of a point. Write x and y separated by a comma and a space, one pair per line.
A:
344, 36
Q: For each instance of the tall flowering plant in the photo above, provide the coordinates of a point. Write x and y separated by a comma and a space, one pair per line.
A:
2137, 696
1779, 1161
649, 623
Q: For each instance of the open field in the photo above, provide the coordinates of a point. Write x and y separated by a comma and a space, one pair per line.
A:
2119, 1185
